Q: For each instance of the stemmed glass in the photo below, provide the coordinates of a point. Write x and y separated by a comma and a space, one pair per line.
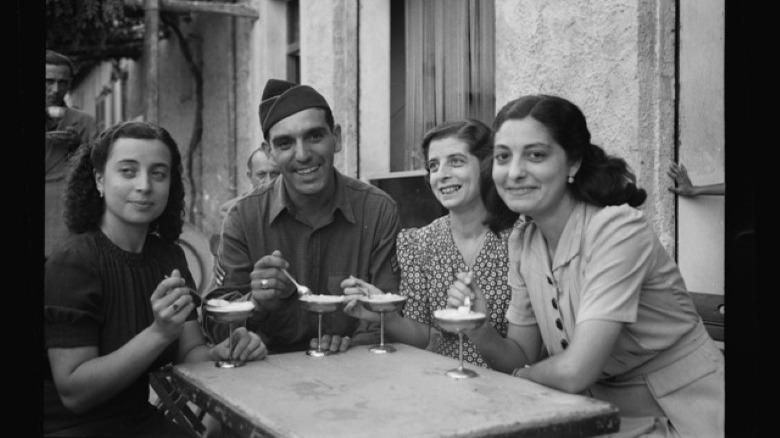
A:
232, 317
458, 323
320, 304
381, 306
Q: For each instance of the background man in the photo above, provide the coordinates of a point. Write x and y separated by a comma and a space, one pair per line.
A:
66, 129
261, 168
319, 224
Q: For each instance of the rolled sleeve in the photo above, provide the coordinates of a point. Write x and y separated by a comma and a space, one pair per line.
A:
233, 256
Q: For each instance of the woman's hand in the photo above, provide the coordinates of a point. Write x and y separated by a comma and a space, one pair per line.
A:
171, 304
465, 285
247, 346
355, 288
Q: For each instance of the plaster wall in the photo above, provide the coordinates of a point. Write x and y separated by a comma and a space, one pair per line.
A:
268, 55
214, 172
176, 98
329, 64
701, 222
134, 90
612, 58
374, 111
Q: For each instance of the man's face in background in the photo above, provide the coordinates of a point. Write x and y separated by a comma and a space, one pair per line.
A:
57, 84
263, 169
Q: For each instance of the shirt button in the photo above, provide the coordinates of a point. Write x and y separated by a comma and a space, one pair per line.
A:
559, 324
555, 304
549, 280
564, 343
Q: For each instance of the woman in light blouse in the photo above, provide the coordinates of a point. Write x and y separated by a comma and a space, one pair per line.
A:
592, 283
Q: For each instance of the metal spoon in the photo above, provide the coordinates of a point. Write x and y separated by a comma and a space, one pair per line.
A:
196, 298
302, 290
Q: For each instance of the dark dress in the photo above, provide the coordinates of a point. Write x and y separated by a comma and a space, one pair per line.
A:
97, 294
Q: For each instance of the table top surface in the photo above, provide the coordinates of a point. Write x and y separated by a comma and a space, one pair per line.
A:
406, 393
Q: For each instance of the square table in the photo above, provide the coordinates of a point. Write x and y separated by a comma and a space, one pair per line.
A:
402, 394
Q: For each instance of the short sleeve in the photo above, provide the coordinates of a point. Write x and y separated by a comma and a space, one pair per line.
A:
232, 258
72, 299
520, 310
414, 284
617, 251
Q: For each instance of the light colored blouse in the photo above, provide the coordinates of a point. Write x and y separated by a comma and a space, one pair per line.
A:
429, 262
610, 266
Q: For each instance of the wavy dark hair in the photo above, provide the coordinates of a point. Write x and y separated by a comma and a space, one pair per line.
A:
602, 179
83, 205
477, 136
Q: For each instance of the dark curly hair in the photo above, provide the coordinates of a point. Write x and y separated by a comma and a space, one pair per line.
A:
83, 205
602, 179
478, 137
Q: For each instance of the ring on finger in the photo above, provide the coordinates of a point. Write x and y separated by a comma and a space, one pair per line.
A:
263, 283
175, 307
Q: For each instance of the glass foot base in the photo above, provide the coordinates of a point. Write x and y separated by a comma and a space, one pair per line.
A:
461, 373
317, 353
228, 364
381, 349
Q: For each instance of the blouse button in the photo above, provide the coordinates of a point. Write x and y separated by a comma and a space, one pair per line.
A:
549, 280
564, 343
559, 324
555, 304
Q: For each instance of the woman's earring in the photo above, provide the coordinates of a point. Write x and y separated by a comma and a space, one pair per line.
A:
570, 180
100, 192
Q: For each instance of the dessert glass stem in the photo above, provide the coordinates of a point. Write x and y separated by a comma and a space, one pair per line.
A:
319, 332
460, 350
382, 329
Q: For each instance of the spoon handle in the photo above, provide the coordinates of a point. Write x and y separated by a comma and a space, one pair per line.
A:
291, 278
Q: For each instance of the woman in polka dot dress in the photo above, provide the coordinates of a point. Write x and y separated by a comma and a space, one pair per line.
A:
469, 238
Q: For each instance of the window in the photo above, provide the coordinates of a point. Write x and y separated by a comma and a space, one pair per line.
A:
293, 42
449, 58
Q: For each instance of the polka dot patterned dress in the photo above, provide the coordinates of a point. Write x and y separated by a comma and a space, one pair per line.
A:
429, 261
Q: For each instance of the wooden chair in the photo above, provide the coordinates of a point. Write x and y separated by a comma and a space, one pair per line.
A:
197, 250
175, 405
711, 308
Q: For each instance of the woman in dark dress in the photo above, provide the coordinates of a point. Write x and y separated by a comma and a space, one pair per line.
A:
117, 304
